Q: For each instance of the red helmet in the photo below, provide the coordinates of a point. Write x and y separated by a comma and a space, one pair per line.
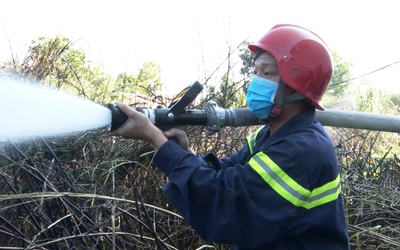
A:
304, 60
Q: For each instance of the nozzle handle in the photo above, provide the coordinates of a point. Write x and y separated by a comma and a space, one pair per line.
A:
118, 118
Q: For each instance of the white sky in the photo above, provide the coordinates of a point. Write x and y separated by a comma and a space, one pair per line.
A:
189, 38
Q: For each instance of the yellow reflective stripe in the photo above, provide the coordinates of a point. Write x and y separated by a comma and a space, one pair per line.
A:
252, 140
326, 193
289, 189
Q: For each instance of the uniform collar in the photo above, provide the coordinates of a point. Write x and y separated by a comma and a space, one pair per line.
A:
300, 120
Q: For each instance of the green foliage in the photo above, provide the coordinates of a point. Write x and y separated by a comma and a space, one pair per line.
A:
229, 94
97, 85
125, 84
341, 75
247, 58
247, 68
375, 101
54, 62
147, 82
42, 56
148, 79
395, 102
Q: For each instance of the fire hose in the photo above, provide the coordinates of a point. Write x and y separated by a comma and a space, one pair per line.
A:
213, 117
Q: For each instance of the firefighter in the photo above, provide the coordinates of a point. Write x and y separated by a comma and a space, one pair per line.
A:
281, 190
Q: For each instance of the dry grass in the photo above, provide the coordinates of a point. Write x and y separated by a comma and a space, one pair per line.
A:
92, 191
86, 191
371, 190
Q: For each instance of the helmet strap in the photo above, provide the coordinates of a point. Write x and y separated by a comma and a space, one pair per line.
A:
294, 97
280, 100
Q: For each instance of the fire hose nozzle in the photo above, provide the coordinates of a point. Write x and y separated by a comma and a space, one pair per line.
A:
117, 117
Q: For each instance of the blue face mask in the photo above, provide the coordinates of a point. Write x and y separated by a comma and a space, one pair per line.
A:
260, 96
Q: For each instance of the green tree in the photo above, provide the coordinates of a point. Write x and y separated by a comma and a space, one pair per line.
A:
247, 58
229, 94
147, 82
395, 102
149, 79
247, 68
341, 76
230, 91
54, 62
125, 84
42, 55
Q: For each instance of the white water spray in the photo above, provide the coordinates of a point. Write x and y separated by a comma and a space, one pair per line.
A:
28, 110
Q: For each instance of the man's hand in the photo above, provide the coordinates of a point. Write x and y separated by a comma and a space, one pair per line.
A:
139, 127
181, 136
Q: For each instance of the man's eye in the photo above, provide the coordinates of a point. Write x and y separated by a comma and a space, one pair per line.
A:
266, 73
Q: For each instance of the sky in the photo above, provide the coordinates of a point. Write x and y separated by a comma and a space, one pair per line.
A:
189, 39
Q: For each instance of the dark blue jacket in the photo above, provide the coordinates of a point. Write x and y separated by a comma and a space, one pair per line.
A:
277, 192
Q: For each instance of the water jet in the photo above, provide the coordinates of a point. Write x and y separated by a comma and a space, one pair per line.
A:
30, 110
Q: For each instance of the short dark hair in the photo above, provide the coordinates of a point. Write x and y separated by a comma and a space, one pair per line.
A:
258, 53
